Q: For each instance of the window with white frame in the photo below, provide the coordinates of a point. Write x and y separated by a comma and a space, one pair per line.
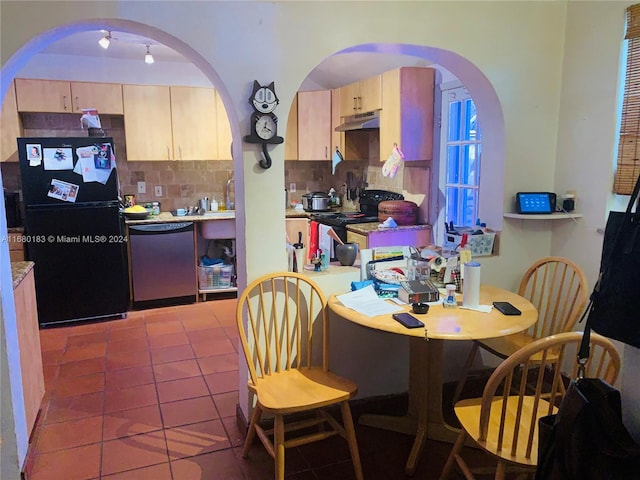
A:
461, 152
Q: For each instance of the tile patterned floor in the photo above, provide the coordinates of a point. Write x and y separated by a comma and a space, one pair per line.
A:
154, 396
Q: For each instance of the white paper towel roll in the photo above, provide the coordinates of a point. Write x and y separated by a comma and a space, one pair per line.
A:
471, 287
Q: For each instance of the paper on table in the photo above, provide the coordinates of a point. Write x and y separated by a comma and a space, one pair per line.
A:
479, 308
367, 302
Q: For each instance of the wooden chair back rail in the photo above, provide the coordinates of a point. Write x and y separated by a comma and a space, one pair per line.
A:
555, 286
279, 350
509, 411
277, 315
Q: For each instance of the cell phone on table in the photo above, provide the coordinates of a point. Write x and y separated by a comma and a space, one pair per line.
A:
408, 320
506, 308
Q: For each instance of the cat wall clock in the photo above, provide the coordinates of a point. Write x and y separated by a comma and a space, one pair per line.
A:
264, 123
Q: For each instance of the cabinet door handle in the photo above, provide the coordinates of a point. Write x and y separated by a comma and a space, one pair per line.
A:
64, 102
77, 104
359, 103
355, 103
326, 152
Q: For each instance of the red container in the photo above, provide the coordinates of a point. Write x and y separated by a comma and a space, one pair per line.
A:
402, 211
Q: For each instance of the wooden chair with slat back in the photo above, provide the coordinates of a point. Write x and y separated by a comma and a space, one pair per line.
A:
557, 287
286, 346
504, 421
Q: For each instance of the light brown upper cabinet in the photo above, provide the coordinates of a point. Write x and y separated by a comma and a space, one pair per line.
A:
10, 127
362, 96
170, 123
147, 122
291, 136
314, 125
104, 97
224, 130
59, 96
406, 118
193, 120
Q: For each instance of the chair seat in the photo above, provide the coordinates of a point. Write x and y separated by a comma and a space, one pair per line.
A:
468, 413
302, 389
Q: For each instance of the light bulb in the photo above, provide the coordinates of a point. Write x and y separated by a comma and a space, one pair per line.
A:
105, 41
148, 58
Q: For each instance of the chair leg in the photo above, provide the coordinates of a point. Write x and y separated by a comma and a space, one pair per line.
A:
251, 433
278, 446
501, 470
347, 421
465, 371
457, 446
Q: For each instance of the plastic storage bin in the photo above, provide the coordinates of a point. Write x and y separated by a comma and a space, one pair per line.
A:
215, 276
480, 245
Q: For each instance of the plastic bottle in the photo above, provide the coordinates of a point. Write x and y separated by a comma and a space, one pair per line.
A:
214, 204
450, 297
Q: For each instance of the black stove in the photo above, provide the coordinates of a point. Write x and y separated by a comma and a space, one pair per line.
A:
369, 200
342, 219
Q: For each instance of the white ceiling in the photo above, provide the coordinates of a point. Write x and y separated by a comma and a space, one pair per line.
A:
334, 71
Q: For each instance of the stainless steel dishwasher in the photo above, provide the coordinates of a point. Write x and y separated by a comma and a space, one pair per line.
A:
163, 263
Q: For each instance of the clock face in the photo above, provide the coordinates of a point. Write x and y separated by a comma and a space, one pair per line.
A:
265, 127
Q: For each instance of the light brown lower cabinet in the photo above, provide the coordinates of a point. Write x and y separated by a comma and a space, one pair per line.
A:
30, 351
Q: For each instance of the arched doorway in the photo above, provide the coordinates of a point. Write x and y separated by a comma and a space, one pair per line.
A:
11, 69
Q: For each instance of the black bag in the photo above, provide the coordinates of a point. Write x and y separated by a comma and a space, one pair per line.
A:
586, 439
614, 310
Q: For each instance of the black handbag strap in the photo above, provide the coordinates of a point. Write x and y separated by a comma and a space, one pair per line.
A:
634, 196
583, 353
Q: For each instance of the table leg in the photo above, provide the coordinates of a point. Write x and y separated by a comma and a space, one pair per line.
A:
424, 418
415, 421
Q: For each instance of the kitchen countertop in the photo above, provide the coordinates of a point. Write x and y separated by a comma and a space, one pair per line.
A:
367, 228
19, 270
167, 217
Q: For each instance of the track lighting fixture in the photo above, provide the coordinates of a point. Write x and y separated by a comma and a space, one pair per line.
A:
148, 58
105, 41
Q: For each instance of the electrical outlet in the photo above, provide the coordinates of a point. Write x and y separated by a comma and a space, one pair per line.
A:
158, 190
142, 187
292, 187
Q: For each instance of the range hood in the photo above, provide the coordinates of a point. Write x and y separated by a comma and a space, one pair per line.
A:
360, 121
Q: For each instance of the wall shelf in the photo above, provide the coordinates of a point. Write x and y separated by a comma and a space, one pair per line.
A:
545, 216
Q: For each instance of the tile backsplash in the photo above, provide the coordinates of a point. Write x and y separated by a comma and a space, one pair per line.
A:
184, 182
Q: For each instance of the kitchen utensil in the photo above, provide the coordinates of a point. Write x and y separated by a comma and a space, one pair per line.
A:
205, 204
299, 243
301, 258
316, 202
332, 233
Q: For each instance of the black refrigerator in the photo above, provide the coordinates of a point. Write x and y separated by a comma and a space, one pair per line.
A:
74, 230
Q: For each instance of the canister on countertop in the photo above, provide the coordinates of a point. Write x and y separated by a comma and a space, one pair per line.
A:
155, 208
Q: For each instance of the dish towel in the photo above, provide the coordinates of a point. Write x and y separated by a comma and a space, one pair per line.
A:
325, 242
313, 240
390, 167
337, 158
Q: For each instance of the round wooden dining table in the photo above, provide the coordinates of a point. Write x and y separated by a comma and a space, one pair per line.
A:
424, 418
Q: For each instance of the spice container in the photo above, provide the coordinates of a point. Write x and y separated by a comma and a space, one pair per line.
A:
155, 208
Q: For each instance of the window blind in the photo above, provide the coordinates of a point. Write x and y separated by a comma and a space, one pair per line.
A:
628, 164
